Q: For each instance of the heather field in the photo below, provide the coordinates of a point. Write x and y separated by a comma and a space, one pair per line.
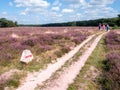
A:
49, 45
46, 44
112, 70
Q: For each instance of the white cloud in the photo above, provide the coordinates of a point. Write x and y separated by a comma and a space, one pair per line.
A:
98, 9
56, 5
55, 15
32, 11
31, 6
89, 13
52, 14
4, 13
101, 2
52, 17
60, 15
31, 3
80, 2
71, 1
23, 13
10, 4
97, 4
55, 8
83, 2
74, 4
67, 10
79, 14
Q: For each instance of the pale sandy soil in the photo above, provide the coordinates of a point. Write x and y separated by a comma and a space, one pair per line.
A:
69, 74
33, 79
8, 75
13, 35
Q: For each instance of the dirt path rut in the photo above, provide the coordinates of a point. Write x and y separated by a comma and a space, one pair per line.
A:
38, 77
69, 74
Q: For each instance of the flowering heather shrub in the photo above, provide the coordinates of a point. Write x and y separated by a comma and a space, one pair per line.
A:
5, 41
1, 47
23, 33
79, 39
2, 40
45, 40
5, 57
58, 53
65, 49
29, 42
112, 38
18, 47
114, 62
113, 47
11, 40
42, 49
57, 36
113, 57
66, 37
46, 47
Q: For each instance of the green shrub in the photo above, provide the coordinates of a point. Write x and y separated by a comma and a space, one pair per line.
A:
105, 82
58, 53
115, 27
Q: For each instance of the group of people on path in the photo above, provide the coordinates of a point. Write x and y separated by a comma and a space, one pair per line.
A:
103, 26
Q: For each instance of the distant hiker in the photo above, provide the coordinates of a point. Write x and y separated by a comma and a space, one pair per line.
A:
107, 27
103, 27
99, 26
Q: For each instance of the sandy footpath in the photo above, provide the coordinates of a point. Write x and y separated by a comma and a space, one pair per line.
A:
33, 79
69, 74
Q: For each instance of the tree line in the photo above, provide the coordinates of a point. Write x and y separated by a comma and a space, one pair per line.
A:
7, 23
111, 21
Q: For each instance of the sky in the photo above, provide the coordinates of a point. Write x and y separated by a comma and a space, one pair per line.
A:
57, 11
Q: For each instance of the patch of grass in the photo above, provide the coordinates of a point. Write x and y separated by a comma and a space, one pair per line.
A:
105, 82
58, 53
84, 80
72, 87
13, 82
115, 27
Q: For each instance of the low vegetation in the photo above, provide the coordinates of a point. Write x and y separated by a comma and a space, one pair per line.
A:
102, 70
46, 44
111, 75
87, 79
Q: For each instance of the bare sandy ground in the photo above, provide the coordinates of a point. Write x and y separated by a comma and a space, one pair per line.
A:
69, 74
38, 77
7, 75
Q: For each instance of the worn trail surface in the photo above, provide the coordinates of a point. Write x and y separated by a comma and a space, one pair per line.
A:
36, 78
69, 74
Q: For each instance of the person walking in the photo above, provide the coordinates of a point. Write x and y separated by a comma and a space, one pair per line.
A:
103, 27
99, 26
107, 27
